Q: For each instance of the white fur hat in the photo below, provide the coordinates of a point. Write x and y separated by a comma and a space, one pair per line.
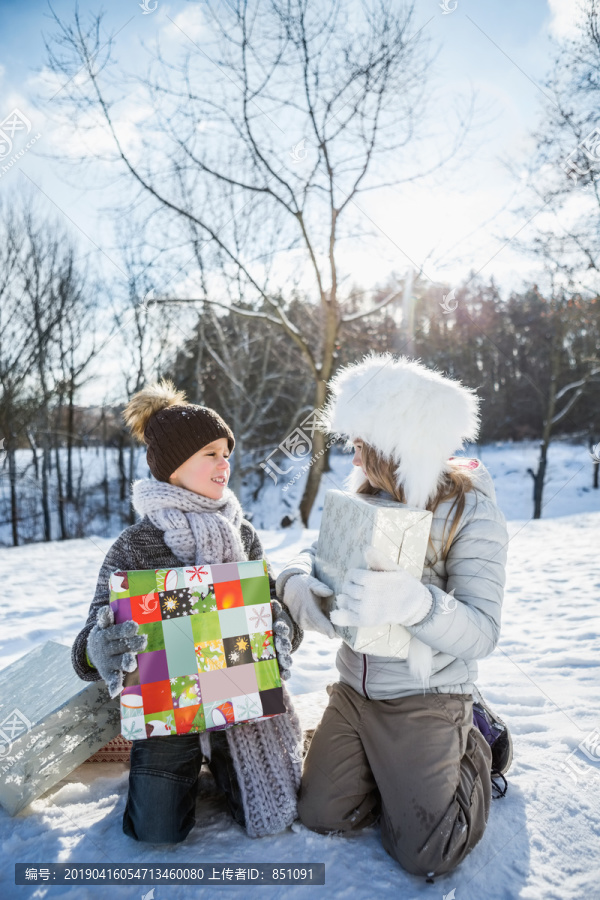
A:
409, 413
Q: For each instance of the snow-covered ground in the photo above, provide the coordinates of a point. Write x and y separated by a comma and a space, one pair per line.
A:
542, 839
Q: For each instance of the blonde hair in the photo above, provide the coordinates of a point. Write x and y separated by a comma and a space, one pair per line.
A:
381, 476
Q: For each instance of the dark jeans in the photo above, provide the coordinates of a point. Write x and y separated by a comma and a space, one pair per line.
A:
163, 783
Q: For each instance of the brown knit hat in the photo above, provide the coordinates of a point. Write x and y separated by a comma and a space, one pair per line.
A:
173, 429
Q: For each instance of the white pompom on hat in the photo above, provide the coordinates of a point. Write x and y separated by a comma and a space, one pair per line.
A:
410, 413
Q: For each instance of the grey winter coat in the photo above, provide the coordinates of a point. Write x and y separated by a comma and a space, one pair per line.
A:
461, 628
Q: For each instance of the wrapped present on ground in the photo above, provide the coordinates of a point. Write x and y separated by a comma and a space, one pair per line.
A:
50, 722
210, 660
351, 522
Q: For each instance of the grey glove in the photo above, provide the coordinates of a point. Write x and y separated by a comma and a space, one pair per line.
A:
111, 648
302, 595
282, 631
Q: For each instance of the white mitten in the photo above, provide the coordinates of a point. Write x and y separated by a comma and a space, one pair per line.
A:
384, 594
302, 595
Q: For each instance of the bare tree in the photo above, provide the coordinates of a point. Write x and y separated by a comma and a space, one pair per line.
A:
564, 170
559, 401
77, 348
44, 349
17, 358
41, 309
250, 371
143, 332
303, 110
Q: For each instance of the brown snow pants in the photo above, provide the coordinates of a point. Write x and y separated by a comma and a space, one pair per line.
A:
418, 760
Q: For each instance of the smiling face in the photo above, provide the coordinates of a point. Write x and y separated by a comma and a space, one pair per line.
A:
206, 472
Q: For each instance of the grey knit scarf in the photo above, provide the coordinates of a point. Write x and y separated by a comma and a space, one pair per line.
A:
197, 529
266, 754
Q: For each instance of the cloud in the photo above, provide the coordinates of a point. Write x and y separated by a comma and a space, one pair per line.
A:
190, 23
565, 15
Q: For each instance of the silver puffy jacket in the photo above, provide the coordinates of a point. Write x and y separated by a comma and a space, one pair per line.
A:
461, 628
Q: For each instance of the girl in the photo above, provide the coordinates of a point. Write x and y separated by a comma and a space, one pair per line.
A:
189, 516
397, 737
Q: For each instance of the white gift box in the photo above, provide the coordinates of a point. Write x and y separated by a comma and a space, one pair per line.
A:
352, 522
50, 722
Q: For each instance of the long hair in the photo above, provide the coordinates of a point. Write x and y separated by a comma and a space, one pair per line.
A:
456, 484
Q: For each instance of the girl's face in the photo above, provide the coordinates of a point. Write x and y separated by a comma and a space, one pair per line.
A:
206, 472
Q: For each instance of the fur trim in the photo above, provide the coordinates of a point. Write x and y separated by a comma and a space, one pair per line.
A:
410, 413
354, 480
150, 400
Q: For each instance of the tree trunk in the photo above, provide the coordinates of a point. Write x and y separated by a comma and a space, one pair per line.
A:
236, 474
12, 475
70, 421
122, 475
131, 513
34, 456
45, 498
595, 454
106, 487
198, 387
318, 455
105, 484
538, 479
60, 497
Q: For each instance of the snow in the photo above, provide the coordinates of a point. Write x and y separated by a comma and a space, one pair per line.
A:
542, 839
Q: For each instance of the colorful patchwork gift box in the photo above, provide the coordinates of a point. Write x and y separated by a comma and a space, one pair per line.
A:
210, 660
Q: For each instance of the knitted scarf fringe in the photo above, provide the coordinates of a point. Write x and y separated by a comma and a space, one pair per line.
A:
267, 758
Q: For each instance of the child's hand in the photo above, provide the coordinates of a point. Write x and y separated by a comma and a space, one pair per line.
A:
283, 643
384, 594
112, 648
302, 595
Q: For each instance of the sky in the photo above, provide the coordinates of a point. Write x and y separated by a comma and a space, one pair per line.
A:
460, 220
